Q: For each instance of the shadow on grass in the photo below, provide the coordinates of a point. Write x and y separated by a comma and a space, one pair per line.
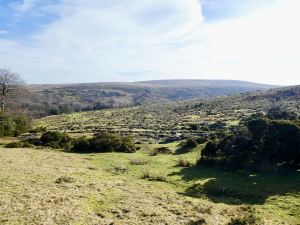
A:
237, 188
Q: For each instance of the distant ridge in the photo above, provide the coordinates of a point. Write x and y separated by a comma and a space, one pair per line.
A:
206, 82
52, 99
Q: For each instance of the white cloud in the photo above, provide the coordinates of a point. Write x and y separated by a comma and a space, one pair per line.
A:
100, 40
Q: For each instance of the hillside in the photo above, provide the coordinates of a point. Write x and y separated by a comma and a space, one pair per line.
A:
178, 120
147, 186
123, 188
45, 100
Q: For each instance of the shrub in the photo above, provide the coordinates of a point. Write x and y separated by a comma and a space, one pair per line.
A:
38, 130
56, 139
14, 125
81, 144
187, 146
105, 142
277, 113
190, 143
260, 145
22, 124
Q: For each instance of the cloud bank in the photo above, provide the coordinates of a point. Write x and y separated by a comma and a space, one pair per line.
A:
130, 40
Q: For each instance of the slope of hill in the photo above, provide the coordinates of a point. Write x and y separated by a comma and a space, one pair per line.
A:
160, 122
257, 198
56, 99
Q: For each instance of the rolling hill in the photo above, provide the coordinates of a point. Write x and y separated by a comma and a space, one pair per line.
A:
56, 99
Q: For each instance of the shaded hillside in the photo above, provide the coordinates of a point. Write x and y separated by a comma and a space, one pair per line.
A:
55, 99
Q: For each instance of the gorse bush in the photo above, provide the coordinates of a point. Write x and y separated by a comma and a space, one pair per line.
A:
260, 145
56, 139
277, 113
105, 142
14, 125
190, 143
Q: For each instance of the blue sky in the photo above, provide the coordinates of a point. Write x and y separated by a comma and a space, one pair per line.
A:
67, 41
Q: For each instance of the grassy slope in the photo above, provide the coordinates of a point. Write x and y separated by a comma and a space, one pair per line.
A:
53, 187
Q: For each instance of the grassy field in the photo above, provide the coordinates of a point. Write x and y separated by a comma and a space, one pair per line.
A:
43, 186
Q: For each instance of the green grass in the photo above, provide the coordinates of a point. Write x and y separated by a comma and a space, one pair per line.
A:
274, 196
107, 187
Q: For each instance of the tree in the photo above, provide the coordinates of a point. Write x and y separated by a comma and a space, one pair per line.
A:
9, 83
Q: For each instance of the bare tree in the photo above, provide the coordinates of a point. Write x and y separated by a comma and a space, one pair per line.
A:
9, 83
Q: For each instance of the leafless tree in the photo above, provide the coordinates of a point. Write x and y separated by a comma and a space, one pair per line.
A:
9, 83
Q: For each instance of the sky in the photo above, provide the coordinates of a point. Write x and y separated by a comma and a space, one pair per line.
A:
72, 41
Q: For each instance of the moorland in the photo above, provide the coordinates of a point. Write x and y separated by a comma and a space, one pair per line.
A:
155, 175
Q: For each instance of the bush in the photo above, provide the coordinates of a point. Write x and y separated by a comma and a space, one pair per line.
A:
190, 143
56, 140
38, 130
14, 125
105, 142
277, 113
259, 145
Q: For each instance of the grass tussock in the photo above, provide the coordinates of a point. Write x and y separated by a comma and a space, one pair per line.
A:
138, 161
183, 163
146, 174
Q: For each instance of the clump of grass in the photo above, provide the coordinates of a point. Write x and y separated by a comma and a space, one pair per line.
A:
145, 174
138, 161
64, 179
153, 177
158, 177
120, 168
183, 163
160, 150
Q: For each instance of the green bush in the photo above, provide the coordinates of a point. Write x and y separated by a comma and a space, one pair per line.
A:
277, 113
105, 142
56, 140
190, 143
259, 145
14, 125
